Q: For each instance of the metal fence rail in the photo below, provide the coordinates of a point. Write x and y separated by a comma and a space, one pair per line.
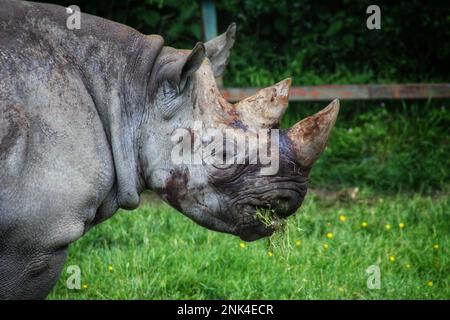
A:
353, 92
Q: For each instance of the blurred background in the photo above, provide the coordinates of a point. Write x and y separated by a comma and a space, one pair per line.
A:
379, 193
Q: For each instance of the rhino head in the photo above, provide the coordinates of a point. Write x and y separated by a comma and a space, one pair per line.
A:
224, 195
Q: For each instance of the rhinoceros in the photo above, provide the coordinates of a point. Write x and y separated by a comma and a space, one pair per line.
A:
86, 120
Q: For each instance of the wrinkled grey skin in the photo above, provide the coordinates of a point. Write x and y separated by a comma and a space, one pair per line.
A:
85, 120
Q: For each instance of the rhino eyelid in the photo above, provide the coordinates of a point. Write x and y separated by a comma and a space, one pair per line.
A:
171, 103
169, 89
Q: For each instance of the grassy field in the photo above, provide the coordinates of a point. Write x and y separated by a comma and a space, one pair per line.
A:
156, 253
397, 154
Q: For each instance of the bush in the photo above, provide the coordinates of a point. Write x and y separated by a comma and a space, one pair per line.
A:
315, 42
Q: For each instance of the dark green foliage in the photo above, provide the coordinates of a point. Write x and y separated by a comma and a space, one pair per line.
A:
313, 41
323, 42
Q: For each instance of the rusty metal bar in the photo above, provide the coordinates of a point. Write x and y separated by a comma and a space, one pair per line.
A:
353, 92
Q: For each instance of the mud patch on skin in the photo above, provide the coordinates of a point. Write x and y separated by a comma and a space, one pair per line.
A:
238, 124
176, 187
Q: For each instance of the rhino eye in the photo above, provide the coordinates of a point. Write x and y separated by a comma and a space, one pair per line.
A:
169, 90
170, 101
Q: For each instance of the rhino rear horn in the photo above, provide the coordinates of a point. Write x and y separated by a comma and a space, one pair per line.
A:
309, 136
218, 49
265, 109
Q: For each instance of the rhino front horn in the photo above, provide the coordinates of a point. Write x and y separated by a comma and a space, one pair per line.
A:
309, 136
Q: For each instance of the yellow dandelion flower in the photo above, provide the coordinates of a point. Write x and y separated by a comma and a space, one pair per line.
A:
388, 226
401, 225
342, 218
326, 246
85, 286
330, 235
435, 246
242, 245
110, 268
298, 243
364, 224
391, 258
270, 253
430, 283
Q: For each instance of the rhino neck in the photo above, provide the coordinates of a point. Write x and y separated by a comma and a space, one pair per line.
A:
120, 99
119, 95
114, 63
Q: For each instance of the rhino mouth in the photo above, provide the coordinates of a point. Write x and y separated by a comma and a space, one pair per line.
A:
254, 227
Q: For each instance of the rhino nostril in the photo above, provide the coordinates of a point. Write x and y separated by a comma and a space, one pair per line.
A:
284, 206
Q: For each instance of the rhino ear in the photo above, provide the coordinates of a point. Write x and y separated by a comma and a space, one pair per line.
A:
218, 49
193, 61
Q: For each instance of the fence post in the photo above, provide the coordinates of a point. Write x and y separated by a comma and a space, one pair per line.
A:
209, 17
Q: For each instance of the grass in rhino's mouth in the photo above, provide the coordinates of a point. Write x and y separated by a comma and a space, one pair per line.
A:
269, 218
278, 242
266, 215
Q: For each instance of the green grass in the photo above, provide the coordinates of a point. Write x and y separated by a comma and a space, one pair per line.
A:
156, 253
